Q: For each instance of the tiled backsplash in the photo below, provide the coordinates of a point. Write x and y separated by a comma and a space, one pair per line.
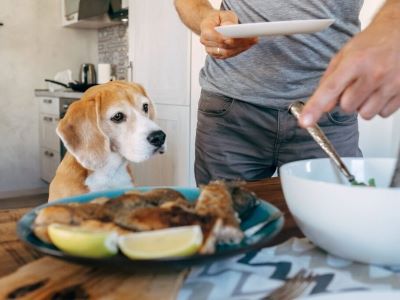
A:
113, 48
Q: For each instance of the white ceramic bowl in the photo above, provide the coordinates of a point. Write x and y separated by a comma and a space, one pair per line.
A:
357, 223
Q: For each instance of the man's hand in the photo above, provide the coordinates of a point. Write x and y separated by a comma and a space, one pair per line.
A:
216, 44
364, 76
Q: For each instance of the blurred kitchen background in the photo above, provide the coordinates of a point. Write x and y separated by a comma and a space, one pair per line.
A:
140, 40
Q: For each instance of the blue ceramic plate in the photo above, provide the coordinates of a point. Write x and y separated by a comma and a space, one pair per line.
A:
259, 240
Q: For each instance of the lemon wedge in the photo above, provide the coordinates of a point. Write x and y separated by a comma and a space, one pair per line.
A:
170, 242
80, 241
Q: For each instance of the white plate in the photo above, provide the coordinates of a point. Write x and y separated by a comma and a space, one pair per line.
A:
364, 295
274, 28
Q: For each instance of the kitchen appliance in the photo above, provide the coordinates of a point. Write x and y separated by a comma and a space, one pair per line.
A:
75, 86
116, 10
87, 74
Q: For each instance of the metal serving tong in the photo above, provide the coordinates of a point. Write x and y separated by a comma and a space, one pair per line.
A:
396, 175
315, 131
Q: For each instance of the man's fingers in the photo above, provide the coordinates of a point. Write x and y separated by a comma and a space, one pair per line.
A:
391, 107
213, 44
210, 37
233, 43
355, 94
218, 52
328, 93
373, 105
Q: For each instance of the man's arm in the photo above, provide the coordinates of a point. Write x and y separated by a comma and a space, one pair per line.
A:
365, 75
202, 18
193, 12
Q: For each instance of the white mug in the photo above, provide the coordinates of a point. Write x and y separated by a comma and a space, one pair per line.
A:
103, 73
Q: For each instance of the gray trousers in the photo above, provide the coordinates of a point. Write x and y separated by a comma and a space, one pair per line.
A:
236, 140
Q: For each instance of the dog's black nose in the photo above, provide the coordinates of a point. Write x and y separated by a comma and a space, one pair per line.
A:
156, 138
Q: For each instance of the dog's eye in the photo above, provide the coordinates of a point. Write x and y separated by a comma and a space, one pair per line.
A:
146, 107
118, 117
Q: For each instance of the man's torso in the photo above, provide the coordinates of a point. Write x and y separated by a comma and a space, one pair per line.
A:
281, 69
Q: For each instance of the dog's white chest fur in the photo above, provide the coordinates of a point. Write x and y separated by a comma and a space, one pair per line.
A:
113, 175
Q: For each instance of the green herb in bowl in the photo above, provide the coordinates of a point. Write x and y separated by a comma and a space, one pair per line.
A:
371, 183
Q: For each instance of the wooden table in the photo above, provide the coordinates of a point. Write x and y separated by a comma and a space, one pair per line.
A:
25, 273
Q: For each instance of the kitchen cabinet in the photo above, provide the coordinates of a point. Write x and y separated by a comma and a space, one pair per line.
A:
166, 58
172, 167
48, 140
52, 106
160, 56
160, 51
69, 16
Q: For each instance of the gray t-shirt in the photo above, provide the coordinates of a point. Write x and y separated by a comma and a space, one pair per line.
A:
281, 69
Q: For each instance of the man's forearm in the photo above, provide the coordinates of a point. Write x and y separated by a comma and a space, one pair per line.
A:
192, 12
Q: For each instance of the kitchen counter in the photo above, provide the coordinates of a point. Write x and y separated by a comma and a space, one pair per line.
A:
58, 94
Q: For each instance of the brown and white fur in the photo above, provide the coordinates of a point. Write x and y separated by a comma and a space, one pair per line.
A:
109, 126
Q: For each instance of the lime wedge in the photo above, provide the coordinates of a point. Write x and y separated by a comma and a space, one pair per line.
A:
171, 242
80, 241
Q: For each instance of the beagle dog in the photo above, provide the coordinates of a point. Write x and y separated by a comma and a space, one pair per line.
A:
111, 125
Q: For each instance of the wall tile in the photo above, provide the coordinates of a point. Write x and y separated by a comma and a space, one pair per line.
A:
113, 48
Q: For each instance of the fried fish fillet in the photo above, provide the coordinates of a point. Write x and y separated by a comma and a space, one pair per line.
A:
103, 210
216, 200
132, 200
214, 211
69, 214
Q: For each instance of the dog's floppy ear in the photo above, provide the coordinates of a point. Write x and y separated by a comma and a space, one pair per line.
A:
81, 134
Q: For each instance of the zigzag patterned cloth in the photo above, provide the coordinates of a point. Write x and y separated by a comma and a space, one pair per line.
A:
256, 274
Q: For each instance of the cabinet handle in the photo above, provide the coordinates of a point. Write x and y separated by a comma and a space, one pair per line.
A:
48, 153
49, 101
49, 119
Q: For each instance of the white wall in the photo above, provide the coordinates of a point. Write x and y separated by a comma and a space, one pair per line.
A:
378, 137
33, 46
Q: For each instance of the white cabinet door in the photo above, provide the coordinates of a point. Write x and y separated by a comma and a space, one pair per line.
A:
49, 161
172, 167
159, 50
48, 136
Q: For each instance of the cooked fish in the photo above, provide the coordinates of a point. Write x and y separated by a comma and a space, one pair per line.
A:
244, 201
70, 214
101, 209
214, 211
216, 200
133, 200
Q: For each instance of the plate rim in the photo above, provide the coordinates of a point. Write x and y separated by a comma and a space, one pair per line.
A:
274, 24
24, 229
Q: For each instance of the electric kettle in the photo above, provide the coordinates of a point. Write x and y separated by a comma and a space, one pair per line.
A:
87, 74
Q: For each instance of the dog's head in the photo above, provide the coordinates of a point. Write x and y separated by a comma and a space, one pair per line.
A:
113, 117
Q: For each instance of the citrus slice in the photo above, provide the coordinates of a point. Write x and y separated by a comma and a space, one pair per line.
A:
170, 242
80, 241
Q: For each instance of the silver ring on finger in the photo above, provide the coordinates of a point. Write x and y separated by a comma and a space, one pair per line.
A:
218, 50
